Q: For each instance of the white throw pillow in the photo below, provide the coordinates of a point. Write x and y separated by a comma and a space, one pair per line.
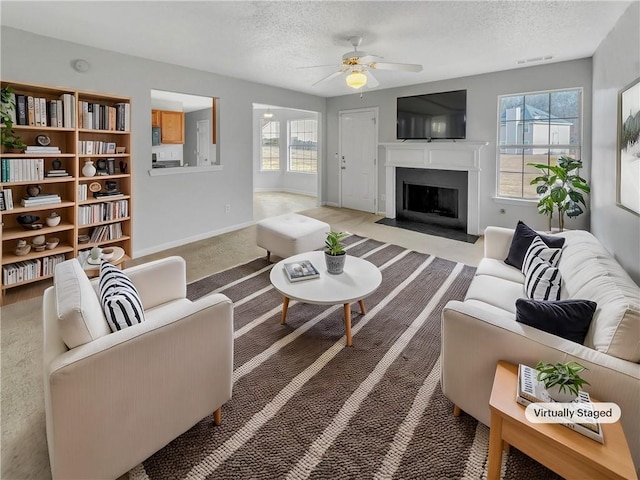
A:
542, 281
540, 249
120, 300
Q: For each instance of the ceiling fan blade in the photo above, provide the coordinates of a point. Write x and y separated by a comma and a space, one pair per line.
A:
369, 58
371, 80
405, 67
329, 77
334, 65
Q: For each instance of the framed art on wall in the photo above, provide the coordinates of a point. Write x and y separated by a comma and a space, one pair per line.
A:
628, 168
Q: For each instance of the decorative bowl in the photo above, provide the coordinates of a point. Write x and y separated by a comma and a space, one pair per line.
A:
83, 238
52, 243
53, 219
38, 240
26, 220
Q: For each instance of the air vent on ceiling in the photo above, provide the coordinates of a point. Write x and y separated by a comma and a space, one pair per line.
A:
535, 59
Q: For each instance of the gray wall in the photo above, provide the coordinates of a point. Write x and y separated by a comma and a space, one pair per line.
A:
482, 101
616, 63
175, 209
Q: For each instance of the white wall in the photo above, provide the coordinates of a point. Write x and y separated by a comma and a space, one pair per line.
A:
282, 180
174, 209
616, 63
482, 93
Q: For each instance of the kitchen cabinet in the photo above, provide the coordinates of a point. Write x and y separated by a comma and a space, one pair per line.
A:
155, 118
172, 127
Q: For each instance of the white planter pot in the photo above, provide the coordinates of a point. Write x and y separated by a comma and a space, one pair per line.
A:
566, 396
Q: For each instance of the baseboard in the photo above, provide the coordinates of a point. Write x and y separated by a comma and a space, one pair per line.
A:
331, 204
194, 238
285, 190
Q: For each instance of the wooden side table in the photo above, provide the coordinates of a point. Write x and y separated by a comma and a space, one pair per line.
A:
116, 258
559, 448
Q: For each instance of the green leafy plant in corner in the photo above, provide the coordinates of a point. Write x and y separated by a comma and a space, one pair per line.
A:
8, 137
334, 243
565, 375
561, 189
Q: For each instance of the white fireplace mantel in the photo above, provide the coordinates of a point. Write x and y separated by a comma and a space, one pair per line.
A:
460, 155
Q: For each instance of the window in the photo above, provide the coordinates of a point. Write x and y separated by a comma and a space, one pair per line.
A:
270, 145
303, 146
535, 128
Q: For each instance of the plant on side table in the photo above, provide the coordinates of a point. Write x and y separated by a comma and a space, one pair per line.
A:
334, 254
10, 141
562, 380
561, 189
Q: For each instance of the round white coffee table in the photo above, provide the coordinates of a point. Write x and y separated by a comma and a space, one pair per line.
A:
359, 279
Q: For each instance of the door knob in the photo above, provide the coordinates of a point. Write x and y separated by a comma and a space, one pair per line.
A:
343, 168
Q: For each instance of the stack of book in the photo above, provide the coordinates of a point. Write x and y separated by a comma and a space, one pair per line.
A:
45, 199
57, 174
42, 112
41, 150
531, 390
21, 169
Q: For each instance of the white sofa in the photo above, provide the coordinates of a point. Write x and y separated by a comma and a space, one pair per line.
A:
116, 398
481, 330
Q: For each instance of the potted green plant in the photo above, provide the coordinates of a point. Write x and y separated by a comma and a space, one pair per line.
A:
8, 138
334, 254
562, 380
561, 189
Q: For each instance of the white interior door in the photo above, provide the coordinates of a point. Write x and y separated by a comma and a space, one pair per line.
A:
357, 160
203, 145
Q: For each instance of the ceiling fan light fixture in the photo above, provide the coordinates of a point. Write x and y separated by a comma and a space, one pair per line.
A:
356, 79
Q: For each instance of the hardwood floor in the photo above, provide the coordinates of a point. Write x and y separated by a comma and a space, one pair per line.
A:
227, 250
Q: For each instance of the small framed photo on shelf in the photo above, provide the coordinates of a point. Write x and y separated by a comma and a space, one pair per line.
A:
111, 147
111, 166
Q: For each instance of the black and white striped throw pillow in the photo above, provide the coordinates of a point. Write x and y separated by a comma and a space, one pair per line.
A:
542, 281
540, 249
119, 298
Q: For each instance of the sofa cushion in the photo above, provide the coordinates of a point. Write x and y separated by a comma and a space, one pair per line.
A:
542, 281
568, 319
120, 299
497, 268
589, 271
522, 238
540, 249
80, 316
484, 289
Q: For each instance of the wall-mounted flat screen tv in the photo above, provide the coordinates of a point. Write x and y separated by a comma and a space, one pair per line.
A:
432, 116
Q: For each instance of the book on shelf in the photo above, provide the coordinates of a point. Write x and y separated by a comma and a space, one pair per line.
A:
531, 390
31, 113
21, 109
7, 195
302, 270
38, 149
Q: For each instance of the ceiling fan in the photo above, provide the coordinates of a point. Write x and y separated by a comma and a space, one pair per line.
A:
359, 66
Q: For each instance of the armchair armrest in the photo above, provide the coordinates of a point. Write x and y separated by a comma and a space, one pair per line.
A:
497, 241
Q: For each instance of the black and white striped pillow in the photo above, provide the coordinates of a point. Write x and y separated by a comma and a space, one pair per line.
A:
541, 250
542, 281
119, 298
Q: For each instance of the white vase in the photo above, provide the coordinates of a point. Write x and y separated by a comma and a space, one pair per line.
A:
89, 169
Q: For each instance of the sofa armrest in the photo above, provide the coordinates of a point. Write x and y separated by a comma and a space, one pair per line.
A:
474, 340
497, 241
140, 387
160, 281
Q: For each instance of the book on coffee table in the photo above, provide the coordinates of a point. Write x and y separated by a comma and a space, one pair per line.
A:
302, 270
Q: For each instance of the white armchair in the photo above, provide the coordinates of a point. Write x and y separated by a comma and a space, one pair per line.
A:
115, 400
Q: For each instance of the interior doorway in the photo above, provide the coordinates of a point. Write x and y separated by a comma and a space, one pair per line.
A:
358, 152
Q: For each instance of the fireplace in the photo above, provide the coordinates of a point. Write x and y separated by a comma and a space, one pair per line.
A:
436, 197
458, 156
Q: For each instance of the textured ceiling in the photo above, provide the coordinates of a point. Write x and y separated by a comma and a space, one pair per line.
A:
268, 41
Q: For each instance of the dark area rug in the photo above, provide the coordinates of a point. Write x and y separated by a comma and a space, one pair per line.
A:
429, 229
306, 406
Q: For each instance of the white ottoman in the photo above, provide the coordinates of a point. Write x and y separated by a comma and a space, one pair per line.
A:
291, 234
